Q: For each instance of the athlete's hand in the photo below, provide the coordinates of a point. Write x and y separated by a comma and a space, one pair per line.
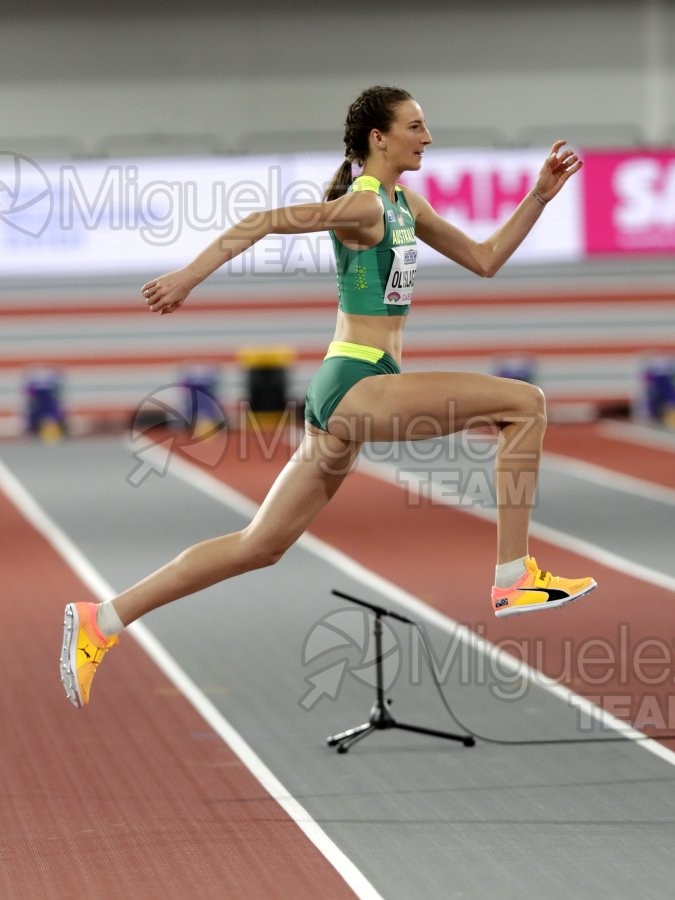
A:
557, 169
168, 292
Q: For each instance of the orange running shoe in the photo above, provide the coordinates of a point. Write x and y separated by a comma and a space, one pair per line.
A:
538, 590
83, 648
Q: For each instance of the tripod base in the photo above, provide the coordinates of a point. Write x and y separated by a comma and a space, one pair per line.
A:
380, 719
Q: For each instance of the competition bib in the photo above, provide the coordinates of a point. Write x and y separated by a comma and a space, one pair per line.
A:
399, 288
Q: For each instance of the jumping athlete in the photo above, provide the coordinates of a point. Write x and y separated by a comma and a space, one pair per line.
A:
359, 392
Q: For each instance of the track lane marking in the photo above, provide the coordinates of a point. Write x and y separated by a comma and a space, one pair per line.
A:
608, 477
642, 435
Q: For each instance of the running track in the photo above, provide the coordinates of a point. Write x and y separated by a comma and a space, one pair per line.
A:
137, 796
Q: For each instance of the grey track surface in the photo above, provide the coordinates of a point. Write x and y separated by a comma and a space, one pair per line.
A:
420, 817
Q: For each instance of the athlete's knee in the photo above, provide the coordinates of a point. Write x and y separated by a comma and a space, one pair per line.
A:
539, 403
261, 551
532, 403
270, 555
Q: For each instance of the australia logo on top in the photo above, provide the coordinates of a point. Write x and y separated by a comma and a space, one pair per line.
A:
403, 236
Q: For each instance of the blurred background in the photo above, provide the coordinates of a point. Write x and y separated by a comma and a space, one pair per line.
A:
131, 137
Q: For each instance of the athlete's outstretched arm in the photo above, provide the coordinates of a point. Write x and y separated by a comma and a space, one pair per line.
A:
487, 257
354, 210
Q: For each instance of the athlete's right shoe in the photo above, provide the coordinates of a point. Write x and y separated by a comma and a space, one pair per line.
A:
538, 590
84, 646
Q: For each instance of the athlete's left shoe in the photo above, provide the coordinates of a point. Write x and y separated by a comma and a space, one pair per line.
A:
84, 646
538, 590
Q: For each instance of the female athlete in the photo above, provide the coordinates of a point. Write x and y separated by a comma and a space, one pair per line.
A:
359, 392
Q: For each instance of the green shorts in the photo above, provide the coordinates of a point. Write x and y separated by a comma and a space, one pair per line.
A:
343, 366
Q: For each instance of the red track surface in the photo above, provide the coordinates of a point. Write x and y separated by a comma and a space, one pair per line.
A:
92, 307
316, 354
134, 798
591, 445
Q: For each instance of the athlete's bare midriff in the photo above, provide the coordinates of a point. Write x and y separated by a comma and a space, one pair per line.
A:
385, 332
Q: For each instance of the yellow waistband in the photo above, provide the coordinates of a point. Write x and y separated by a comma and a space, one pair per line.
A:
355, 351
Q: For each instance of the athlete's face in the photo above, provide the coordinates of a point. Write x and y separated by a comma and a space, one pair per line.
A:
407, 138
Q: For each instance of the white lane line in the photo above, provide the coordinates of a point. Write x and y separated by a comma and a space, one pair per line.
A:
217, 490
71, 554
642, 435
617, 481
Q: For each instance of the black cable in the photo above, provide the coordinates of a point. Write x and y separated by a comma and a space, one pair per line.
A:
519, 741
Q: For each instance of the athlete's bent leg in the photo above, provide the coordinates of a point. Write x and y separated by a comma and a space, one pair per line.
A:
422, 405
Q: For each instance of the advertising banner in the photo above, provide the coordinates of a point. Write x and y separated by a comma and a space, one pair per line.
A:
144, 216
629, 202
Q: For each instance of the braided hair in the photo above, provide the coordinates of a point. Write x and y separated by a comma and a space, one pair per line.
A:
374, 108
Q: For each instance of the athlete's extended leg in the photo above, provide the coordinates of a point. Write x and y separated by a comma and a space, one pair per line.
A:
306, 484
422, 405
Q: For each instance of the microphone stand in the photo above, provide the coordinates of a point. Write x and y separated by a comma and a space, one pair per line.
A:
380, 718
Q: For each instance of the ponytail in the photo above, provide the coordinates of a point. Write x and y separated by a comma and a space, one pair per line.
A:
341, 181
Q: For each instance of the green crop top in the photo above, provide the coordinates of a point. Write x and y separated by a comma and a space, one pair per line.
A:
379, 281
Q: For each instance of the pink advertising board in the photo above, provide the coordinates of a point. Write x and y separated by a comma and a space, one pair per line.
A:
629, 202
